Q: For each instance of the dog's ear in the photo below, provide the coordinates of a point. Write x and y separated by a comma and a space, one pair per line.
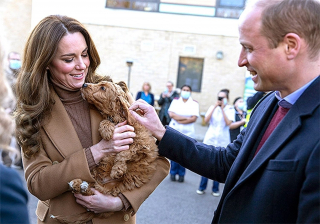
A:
128, 115
125, 105
123, 86
125, 89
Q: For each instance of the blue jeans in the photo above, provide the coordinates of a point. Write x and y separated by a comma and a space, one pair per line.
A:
176, 168
204, 182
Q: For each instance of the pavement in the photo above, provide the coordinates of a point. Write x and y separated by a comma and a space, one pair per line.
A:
171, 202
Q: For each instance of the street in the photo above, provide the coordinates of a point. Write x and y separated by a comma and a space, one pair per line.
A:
170, 203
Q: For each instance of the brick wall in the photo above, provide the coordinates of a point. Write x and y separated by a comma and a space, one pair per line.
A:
15, 17
155, 53
158, 62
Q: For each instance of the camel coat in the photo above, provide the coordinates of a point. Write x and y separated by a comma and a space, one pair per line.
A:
62, 159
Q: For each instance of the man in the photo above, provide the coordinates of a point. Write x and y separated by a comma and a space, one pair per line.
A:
275, 178
165, 100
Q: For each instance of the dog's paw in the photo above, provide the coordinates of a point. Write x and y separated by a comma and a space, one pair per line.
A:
106, 129
71, 183
84, 187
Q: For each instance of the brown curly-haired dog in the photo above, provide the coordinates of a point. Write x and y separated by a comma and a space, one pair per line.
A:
125, 170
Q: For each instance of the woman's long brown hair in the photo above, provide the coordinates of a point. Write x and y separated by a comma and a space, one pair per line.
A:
34, 99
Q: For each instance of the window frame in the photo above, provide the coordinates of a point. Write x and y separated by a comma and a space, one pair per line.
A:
218, 6
200, 75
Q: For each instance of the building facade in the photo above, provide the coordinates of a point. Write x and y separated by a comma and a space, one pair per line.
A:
179, 46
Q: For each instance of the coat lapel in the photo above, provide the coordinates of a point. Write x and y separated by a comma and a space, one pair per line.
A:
253, 131
60, 130
95, 118
304, 106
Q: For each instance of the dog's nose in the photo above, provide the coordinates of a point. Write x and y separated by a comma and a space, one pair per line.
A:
84, 85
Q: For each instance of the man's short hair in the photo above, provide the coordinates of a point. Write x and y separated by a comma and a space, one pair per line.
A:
301, 17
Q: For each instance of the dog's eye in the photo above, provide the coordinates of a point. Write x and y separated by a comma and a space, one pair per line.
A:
103, 88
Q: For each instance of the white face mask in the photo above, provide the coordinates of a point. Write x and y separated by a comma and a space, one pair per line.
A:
185, 94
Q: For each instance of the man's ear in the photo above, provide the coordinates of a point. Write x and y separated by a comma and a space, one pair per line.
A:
292, 43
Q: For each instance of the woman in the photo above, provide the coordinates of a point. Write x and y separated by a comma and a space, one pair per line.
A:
183, 112
58, 130
219, 117
240, 118
145, 94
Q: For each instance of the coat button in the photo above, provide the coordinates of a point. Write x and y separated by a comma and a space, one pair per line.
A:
126, 217
55, 162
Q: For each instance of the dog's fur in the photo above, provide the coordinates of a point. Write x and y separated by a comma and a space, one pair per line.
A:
123, 171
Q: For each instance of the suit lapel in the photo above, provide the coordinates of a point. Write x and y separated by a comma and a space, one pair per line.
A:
253, 132
60, 130
289, 124
304, 106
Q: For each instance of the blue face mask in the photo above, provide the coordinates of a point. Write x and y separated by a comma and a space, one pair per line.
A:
15, 64
185, 94
225, 101
241, 106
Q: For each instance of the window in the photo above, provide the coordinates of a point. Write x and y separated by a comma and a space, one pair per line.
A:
140, 5
232, 3
212, 8
190, 73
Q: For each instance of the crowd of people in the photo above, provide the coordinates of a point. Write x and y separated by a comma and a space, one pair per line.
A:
13, 195
268, 156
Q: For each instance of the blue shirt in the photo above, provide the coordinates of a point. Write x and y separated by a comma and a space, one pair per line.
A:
289, 100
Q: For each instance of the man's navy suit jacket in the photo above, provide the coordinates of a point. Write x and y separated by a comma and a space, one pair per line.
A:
13, 198
281, 183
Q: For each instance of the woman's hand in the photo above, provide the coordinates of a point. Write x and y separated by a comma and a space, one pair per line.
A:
99, 203
122, 137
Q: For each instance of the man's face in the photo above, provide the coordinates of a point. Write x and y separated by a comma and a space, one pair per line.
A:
266, 65
169, 86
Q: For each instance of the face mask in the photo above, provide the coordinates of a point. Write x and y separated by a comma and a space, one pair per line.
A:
241, 106
185, 94
15, 64
225, 101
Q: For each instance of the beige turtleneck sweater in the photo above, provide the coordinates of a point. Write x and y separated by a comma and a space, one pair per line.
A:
79, 113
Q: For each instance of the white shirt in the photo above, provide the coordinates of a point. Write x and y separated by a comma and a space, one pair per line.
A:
218, 131
186, 109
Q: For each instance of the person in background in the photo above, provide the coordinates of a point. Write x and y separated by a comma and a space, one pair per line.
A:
11, 71
13, 196
272, 170
164, 102
183, 112
146, 94
12, 67
58, 130
251, 102
240, 118
219, 116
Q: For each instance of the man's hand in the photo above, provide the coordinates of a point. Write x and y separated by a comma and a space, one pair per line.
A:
149, 119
